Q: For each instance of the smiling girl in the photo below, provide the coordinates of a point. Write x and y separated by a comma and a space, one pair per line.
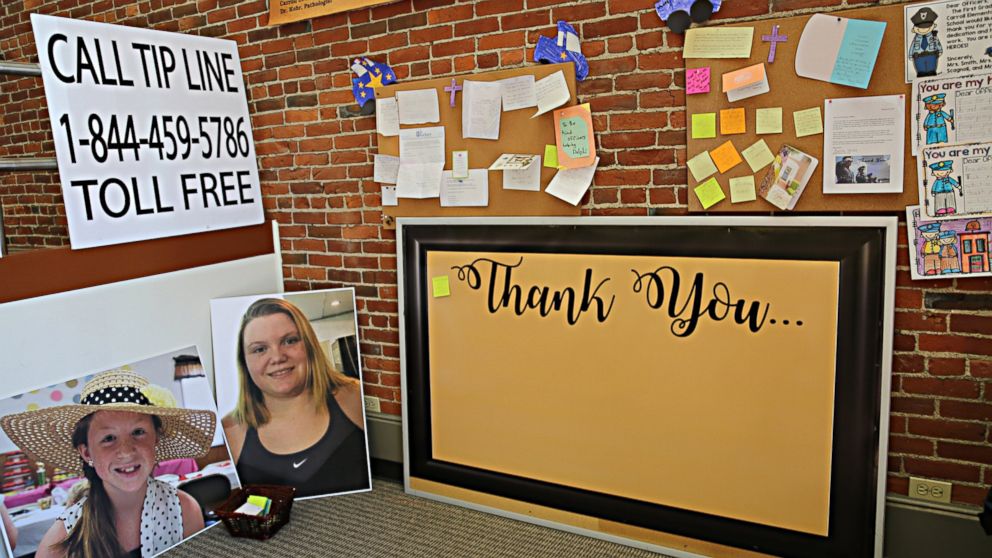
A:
115, 437
298, 421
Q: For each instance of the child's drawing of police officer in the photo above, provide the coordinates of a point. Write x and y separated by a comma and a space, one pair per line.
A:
925, 50
936, 122
943, 188
931, 248
948, 253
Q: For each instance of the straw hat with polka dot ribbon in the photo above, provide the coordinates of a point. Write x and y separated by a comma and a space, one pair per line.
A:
47, 433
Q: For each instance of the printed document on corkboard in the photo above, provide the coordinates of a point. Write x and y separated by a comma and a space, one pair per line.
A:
706, 384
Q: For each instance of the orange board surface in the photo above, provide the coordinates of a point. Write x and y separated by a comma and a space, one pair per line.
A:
737, 384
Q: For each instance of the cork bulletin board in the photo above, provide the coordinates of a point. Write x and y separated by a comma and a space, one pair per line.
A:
519, 133
589, 377
794, 93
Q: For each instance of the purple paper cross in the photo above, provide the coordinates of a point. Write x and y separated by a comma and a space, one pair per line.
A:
453, 89
774, 39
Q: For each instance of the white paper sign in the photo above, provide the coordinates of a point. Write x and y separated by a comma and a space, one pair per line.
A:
151, 129
469, 192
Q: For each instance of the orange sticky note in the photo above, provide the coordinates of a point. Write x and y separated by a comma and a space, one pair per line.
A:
733, 121
746, 82
726, 157
574, 136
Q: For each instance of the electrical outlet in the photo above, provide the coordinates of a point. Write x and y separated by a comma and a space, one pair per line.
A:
371, 404
931, 490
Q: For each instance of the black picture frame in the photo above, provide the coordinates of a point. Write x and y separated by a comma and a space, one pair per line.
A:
865, 252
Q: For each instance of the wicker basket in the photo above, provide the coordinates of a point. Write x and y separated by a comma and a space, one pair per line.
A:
254, 526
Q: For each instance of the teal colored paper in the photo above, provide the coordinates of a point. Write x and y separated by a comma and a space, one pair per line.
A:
858, 52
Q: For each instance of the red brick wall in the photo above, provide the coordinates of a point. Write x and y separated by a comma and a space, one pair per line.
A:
316, 170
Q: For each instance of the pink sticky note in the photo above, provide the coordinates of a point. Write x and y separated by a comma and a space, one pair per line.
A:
697, 80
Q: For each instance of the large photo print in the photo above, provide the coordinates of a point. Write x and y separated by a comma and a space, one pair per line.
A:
141, 440
289, 390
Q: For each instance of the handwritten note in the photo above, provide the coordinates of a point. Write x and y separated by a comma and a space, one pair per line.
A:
574, 135
718, 42
733, 121
518, 92
808, 122
552, 92
525, 179
697, 80
709, 193
768, 120
385, 169
726, 157
701, 166
418, 106
387, 117
858, 52
758, 156
481, 109
704, 125
742, 189
441, 286
571, 184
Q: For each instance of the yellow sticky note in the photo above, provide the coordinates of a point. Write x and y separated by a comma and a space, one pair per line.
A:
441, 286
768, 120
256, 500
726, 157
701, 166
808, 122
704, 125
758, 156
733, 121
718, 42
742, 189
709, 193
551, 156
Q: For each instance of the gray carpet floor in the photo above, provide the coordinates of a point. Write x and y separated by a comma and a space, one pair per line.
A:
387, 523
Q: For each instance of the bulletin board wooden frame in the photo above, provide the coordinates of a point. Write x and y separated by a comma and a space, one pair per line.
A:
864, 247
794, 93
519, 133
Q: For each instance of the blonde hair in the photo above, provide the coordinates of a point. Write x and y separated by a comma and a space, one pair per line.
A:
322, 378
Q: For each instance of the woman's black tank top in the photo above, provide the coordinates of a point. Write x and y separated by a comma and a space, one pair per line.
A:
336, 463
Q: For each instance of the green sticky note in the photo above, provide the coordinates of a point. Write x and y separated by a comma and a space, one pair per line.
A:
709, 193
551, 156
259, 501
441, 286
768, 120
701, 166
704, 125
808, 122
742, 189
758, 156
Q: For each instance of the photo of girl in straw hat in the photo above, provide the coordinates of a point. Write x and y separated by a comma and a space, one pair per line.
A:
287, 370
109, 443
